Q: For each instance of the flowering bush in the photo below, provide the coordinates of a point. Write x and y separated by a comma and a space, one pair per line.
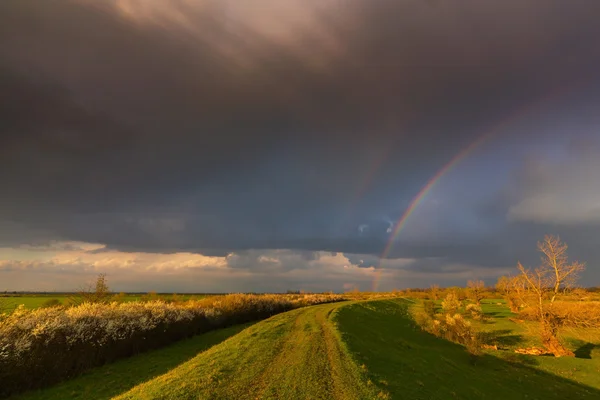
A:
451, 303
452, 327
475, 311
42, 346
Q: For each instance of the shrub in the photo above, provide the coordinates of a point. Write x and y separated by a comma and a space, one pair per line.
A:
475, 290
429, 307
457, 329
451, 303
97, 292
452, 327
424, 320
55, 343
475, 311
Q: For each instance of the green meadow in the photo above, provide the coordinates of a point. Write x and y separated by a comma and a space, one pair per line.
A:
38, 300
407, 363
351, 350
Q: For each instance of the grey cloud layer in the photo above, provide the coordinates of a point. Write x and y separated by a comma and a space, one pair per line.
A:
210, 125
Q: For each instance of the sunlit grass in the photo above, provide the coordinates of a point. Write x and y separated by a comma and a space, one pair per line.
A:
409, 363
295, 355
352, 350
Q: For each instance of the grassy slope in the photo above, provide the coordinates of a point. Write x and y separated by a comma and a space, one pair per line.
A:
110, 380
410, 364
510, 335
295, 355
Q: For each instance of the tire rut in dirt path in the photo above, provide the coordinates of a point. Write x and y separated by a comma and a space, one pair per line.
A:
299, 367
312, 362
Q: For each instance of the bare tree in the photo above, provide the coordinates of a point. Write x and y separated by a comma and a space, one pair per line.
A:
543, 285
503, 285
475, 290
513, 289
97, 292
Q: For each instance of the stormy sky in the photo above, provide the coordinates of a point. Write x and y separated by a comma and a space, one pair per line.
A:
203, 145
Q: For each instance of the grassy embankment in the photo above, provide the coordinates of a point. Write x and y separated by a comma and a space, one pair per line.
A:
295, 355
408, 363
381, 354
511, 333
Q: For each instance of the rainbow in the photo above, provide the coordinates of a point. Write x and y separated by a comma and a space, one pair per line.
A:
376, 280
428, 186
515, 116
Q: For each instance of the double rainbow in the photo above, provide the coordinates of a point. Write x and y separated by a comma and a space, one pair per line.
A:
428, 186
512, 118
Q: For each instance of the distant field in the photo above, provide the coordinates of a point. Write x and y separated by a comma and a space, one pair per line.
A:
37, 300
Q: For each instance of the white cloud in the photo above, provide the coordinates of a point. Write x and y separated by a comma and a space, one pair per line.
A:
75, 263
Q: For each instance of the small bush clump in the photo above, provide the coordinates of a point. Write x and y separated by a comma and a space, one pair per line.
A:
475, 311
452, 327
429, 307
451, 304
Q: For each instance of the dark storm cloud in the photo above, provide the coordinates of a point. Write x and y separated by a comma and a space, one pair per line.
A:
163, 126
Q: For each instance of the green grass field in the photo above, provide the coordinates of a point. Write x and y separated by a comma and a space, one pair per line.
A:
36, 301
352, 350
584, 368
410, 364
